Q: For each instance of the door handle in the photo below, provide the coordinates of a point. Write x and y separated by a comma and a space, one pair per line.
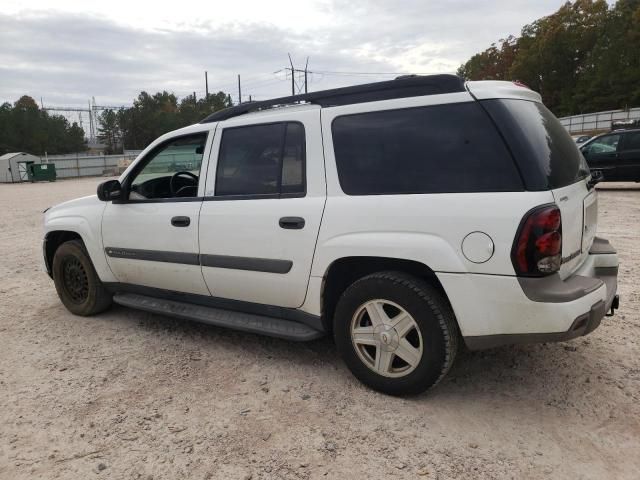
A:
180, 221
292, 223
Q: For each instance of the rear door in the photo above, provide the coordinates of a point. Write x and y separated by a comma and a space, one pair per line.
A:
265, 197
629, 157
579, 210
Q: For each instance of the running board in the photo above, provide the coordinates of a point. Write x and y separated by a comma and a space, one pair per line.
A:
247, 322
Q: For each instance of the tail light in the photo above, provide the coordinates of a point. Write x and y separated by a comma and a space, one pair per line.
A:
537, 248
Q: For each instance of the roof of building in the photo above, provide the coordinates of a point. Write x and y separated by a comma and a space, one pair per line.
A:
8, 156
401, 87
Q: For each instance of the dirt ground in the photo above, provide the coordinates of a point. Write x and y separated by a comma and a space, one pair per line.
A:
132, 395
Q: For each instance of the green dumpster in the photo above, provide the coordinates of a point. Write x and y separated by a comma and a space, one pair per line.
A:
42, 172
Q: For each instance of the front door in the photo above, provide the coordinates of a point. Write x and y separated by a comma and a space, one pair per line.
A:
602, 154
23, 172
258, 229
151, 237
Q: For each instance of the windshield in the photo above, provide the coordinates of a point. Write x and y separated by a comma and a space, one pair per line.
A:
546, 154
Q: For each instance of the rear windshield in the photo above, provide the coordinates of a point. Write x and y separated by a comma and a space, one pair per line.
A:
435, 149
545, 153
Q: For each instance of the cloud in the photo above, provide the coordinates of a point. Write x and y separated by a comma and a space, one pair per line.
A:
67, 58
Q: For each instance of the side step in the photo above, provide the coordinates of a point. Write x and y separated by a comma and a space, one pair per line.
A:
248, 322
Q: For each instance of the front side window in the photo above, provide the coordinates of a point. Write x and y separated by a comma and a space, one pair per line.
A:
606, 144
435, 149
262, 160
171, 170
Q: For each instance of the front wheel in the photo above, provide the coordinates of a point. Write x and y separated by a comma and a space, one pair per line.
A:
396, 333
77, 282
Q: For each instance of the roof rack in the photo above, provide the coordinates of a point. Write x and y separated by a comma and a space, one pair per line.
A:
401, 87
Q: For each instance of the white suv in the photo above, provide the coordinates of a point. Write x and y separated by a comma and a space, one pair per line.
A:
400, 217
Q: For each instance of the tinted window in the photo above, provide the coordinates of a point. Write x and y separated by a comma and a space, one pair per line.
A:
157, 178
261, 160
444, 148
632, 141
547, 156
604, 144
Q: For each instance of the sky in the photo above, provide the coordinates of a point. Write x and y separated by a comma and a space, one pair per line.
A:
68, 51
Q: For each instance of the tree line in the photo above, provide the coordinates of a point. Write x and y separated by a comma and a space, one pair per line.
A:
150, 116
583, 58
24, 127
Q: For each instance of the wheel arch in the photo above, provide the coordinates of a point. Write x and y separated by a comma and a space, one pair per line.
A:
52, 241
342, 272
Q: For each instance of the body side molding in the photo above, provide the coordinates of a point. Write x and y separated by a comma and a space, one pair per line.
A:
268, 265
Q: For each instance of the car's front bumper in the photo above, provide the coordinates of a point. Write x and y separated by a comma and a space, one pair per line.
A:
495, 310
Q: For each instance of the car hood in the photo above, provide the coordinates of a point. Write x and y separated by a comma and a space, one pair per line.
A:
89, 200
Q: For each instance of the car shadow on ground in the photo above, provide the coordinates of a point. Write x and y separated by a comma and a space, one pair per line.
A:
527, 372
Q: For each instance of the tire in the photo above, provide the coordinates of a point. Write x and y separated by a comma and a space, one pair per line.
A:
376, 352
77, 282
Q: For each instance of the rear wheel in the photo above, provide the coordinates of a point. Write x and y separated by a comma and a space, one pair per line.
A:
77, 282
396, 333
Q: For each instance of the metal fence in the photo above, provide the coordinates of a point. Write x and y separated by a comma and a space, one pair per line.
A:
82, 165
600, 121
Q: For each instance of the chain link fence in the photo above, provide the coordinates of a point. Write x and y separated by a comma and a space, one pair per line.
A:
83, 165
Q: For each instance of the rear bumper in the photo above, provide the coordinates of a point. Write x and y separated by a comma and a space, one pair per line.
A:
495, 310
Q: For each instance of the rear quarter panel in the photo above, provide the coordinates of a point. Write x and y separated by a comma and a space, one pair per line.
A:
426, 228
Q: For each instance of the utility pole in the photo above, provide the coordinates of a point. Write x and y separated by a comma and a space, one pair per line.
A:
293, 79
91, 133
206, 85
239, 91
195, 102
305, 76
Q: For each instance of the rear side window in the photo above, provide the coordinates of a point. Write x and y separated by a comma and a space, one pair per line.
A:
436, 149
632, 141
262, 160
605, 144
546, 155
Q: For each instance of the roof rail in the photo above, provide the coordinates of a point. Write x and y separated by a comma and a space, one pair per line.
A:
401, 87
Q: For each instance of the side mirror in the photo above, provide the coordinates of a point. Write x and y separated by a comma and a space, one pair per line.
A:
109, 190
596, 177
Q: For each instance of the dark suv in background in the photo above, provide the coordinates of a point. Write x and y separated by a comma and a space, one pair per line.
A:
616, 154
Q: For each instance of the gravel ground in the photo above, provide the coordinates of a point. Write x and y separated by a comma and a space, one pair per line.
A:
132, 395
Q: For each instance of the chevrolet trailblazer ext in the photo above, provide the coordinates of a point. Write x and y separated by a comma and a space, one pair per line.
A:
400, 217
